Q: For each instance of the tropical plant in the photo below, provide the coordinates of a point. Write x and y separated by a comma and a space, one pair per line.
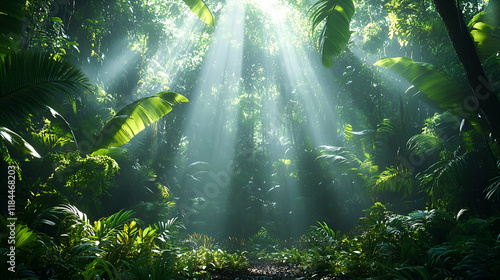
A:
30, 80
11, 23
84, 181
200, 9
439, 89
134, 117
485, 29
446, 148
17, 141
335, 34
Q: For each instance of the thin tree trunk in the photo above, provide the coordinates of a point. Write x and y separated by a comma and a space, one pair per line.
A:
484, 96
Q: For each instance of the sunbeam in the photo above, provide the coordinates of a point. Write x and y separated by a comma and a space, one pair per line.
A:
209, 130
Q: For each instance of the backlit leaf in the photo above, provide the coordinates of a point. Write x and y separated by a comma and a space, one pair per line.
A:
337, 15
438, 87
135, 117
200, 9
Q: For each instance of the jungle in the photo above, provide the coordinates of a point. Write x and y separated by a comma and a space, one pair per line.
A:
250, 139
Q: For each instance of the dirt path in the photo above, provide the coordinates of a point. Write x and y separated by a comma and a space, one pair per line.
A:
271, 271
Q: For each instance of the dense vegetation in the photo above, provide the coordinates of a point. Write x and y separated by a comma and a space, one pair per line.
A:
193, 139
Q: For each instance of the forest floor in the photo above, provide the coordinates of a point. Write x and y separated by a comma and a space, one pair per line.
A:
263, 270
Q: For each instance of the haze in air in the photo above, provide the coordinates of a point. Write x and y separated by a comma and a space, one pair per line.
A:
250, 139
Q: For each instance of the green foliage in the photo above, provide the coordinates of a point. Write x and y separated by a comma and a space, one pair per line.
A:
85, 181
493, 189
203, 262
10, 26
373, 37
17, 141
201, 10
31, 80
342, 158
335, 34
438, 87
134, 117
448, 149
201, 241
485, 30
393, 180
281, 178
414, 23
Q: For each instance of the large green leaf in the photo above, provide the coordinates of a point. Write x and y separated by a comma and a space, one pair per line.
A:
17, 141
336, 34
438, 87
485, 29
200, 9
31, 80
136, 116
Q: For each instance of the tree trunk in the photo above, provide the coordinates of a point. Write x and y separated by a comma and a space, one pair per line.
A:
484, 96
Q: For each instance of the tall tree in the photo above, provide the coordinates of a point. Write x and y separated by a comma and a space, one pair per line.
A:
483, 93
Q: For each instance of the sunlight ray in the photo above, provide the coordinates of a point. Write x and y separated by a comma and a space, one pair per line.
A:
211, 119
301, 74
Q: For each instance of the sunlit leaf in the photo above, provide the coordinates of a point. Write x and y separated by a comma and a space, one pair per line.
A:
17, 141
24, 236
335, 35
438, 87
67, 127
393, 180
485, 30
286, 162
201, 10
135, 117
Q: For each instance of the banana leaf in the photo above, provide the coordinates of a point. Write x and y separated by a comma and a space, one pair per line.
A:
200, 9
135, 117
485, 30
335, 34
438, 88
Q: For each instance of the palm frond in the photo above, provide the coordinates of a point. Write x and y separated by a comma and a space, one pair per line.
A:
446, 171
341, 157
493, 189
67, 127
343, 160
24, 236
46, 142
426, 144
31, 80
105, 226
337, 15
76, 218
385, 129
393, 180
439, 224
167, 229
97, 268
349, 134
